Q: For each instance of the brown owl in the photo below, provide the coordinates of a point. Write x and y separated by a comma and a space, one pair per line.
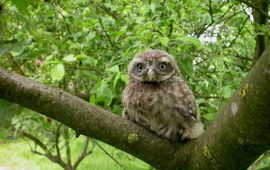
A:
157, 97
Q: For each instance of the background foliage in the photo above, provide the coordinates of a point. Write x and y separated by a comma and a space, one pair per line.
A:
84, 46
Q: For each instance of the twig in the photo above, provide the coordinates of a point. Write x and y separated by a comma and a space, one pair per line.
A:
238, 33
55, 4
84, 152
48, 154
57, 140
158, 31
109, 154
206, 26
256, 8
36, 141
113, 14
67, 145
210, 11
241, 57
171, 29
114, 46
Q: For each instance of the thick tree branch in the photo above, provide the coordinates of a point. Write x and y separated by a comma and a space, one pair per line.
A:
241, 128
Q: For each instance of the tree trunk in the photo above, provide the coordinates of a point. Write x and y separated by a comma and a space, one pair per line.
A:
260, 19
235, 139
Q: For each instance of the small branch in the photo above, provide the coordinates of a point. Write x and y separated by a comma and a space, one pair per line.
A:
84, 152
39, 153
210, 12
171, 29
256, 8
241, 57
206, 26
36, 141
107, 153
238, 33
114, 46
68, 151
158, 31
63, 16
116, 16
113, 14
47, 154
57, 135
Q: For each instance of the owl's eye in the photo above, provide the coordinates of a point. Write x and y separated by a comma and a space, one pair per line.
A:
140, 67
162, 66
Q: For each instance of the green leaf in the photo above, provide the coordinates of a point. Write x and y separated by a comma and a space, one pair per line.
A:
93, 99
87, 59
124, 78
22, 5
58, 72
70, 58
104, 93
81, 57
116, 78
192, 40
209, 116
117, 109
187, 66
113, 69
164, 41
226, 91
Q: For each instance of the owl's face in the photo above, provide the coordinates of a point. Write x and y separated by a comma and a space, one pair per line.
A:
153, 66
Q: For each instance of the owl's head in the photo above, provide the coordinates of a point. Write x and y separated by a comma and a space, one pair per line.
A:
153, 66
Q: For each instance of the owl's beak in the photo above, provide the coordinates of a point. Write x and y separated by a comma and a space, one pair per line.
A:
151, 75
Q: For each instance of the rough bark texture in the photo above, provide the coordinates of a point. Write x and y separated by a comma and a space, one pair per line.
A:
236, 138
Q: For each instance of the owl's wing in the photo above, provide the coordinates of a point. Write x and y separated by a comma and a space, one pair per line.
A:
186, 111
186, 105
125, 114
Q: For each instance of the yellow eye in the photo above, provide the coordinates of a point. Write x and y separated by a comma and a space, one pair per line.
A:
162, 66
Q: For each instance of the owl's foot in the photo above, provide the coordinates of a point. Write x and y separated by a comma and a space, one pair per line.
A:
184, 135
190, 133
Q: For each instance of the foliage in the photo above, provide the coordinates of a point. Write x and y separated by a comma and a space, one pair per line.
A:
84, 46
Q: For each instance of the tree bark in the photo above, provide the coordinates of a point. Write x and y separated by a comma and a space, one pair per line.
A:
260, 18
236, 138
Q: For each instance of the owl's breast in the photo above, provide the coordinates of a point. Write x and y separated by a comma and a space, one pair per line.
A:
153, 101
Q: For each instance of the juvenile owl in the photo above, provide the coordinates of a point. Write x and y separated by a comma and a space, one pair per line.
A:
157, 97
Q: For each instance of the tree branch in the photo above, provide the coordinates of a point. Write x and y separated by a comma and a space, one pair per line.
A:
109, 155
113, 44
249, 4
57, 135
67, 146
47, 153
241, 128
84, 152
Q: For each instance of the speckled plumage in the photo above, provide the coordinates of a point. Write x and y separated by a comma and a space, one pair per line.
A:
157, 97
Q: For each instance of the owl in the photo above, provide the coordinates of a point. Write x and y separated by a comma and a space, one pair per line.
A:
157, 98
